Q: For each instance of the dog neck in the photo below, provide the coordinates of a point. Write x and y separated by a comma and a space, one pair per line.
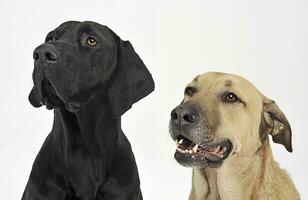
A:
256, 177
92, 128
242, 175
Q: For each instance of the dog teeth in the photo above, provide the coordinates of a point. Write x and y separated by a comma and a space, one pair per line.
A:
195, 148
186, 151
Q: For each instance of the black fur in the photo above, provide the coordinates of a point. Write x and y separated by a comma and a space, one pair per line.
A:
86, 156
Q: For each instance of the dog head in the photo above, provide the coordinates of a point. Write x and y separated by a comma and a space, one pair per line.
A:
81, 59
224, 114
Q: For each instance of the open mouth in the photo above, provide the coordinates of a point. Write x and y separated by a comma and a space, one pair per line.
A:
212, 153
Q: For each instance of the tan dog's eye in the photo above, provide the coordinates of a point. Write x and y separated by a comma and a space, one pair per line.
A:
189, 91
230, 97
91, 42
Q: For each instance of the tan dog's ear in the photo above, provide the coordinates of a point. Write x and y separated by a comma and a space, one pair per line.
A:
277, 124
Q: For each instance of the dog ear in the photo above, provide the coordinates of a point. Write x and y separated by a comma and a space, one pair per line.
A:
33, 99
131, 79
277, 124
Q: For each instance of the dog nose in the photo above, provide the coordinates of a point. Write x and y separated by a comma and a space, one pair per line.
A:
46, 53
183, 116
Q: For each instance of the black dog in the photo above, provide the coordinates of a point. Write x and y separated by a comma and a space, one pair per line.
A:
90, 77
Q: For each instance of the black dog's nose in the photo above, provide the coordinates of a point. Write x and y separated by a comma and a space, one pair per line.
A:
183, 115
46, 53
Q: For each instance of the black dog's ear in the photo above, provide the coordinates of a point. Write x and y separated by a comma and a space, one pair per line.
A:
131, 81
277, 124
33, 100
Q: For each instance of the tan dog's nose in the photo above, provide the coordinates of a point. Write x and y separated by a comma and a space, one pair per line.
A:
183, 116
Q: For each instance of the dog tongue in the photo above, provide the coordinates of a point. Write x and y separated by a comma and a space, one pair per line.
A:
218, 151
214, 154
215, 150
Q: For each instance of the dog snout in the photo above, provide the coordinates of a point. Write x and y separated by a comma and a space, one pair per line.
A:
183, 116
47, 53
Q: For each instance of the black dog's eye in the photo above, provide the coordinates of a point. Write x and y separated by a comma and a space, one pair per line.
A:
230, 97
91, 42
189, 91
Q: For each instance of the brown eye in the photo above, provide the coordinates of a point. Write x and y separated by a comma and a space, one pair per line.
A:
231, 98
189, 91
91, 41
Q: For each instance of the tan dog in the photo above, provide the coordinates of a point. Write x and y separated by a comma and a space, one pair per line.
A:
222, 131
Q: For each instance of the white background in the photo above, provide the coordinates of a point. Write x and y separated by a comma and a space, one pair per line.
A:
264, 41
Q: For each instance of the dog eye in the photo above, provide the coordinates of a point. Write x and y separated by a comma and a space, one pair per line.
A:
189, 91
230, 97
91, 42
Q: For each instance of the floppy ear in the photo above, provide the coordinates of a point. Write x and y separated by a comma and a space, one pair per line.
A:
33, 100
277, 124
131, 79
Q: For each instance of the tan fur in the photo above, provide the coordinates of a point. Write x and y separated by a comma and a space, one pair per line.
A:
250, 171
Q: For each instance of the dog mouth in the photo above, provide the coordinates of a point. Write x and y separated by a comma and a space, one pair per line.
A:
49, 95
189, 152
